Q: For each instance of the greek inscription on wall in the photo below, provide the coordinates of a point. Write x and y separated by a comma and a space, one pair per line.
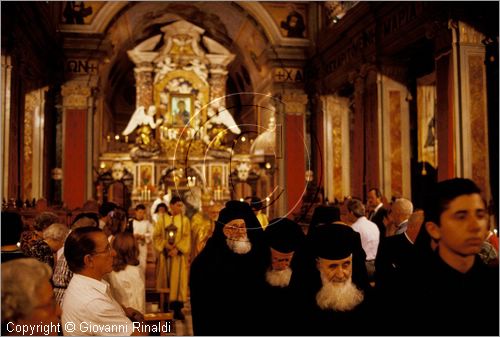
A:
81, 66
290, 75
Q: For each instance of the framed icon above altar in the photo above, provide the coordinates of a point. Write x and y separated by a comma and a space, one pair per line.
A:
181, 109
218, 174
145, 174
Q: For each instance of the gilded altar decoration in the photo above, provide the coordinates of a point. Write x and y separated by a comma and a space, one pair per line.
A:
143, 123
181, 128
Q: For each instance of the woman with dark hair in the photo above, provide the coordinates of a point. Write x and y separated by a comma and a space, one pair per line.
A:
116, 223
126, 279
33, 243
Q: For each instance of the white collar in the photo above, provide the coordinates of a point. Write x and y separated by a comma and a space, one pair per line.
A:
378, 207
408, 238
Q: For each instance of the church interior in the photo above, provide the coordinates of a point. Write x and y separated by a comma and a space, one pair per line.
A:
298, 103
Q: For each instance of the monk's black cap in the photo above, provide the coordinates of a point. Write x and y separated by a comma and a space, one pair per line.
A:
333, 241
284, 235
238, 210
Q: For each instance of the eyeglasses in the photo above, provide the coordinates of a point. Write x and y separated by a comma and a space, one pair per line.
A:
106, 250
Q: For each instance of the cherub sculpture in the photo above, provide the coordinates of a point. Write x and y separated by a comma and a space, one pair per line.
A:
223, 116
144, 123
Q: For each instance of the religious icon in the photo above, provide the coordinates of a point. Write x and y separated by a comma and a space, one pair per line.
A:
75, 12
216, 176
181, 110
294, 24
289, 17
146, 175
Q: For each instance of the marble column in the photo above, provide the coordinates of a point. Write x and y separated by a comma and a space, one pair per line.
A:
6, 120
218, 75
462, 119
144, 85
336, 159
395, 132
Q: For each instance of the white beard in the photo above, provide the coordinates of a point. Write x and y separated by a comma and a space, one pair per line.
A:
239, 246
279, 278
339, 296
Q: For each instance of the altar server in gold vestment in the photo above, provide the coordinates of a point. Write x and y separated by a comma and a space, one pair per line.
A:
172, 240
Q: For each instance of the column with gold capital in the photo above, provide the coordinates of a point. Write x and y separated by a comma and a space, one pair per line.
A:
218, 76
76, 159
295, 106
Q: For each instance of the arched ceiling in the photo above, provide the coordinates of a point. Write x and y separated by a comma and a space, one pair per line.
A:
245, 28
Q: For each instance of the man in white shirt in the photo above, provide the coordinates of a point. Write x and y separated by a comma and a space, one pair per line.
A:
369, 232
88, 306
143, 230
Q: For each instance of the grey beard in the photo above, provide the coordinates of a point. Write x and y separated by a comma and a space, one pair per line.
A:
279, 278
239, 246
339, 296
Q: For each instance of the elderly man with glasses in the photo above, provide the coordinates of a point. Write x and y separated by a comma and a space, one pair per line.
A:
88, 306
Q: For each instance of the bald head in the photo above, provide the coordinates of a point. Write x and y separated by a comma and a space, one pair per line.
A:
401, 210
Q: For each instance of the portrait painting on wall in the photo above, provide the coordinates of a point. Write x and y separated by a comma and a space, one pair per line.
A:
145, 174
180, 109
217, 176
426, 107
290, 18
80, 12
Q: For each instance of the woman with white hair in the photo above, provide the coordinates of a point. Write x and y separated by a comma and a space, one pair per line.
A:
53, 238
55, 235
28, 299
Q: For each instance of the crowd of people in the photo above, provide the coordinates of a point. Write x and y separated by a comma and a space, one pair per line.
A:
357, 270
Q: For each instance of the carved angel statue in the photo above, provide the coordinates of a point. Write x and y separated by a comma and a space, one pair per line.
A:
223, 116
163, 67
198, 68
144, 123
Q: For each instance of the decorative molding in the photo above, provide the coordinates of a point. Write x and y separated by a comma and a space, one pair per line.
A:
144, 87
75, 95
396, 72
294, 103
467, 34
107, 13
263, 17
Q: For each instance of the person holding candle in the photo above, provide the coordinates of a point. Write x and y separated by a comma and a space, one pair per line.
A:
172, 239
